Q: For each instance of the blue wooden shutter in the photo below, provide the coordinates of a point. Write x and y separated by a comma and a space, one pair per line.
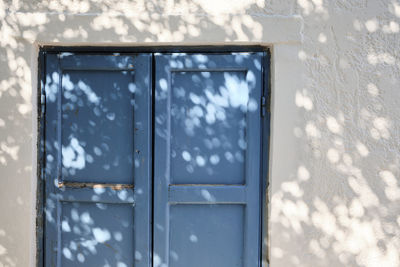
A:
207, 160
97, 170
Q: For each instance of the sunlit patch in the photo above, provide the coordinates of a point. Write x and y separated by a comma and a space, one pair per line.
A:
303, 174
362, 149
92, 97
333, 125
174, 255
99, 190
67, 84
214, 159
3, 250
66, 54
333, 155
238, 91
356, 208
200, 161
77, 230
200, 58
302, 100
292, 188
381, 128
302, 55
392, 190
73, 156
118, 237
381, 58
229, 157
316, 249
373, 89
196, 111
74, 215
97, 151
372, 25
65, 226
121, 264
252, 105
12, 151
163, 84
242, 143
207, 196
277, 252
85, 218
189, 168
323, 218
218, 100
67, 253
239, 156
158, 262
186, 156
251, 78
195, 99
347, 159
322, 38
392, 27
101, 235
123, 194
110, 116
205, 74
360, 186
49, 158
193, 238
132, 87
52, 86
210, 116
73, 245
312, 130
80, 257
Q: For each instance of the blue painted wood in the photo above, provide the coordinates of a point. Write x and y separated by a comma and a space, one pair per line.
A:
97, 122
265, 156
206, 164
207, 194
207, 160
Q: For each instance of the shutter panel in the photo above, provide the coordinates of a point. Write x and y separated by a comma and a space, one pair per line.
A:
207, 160
97, 170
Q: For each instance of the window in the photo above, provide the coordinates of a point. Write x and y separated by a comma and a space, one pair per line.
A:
153, 158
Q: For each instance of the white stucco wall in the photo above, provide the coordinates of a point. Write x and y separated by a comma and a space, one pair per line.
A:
335, 157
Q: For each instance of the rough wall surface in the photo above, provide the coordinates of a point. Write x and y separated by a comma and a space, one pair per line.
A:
341, 206
337, 202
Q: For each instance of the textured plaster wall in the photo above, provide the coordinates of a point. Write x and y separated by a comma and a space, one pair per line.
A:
335, 153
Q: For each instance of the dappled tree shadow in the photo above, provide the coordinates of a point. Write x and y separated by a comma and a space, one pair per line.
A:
339, 206
95, 113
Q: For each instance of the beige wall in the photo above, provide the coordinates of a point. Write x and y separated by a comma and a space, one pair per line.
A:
335, 157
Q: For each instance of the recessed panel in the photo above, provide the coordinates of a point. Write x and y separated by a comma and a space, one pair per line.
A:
97, 126
208, 127
206, 235
96, 234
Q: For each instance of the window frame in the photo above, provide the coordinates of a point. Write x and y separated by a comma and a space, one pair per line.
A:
210, 49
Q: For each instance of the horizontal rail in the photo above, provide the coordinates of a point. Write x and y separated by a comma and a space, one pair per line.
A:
208, 70
206, 194
94, 185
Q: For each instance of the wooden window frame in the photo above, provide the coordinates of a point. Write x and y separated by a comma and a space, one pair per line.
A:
210, 49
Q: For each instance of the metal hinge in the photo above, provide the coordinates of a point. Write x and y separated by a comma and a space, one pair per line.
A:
263, 106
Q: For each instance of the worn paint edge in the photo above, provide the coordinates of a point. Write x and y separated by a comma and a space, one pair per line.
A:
95, 185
